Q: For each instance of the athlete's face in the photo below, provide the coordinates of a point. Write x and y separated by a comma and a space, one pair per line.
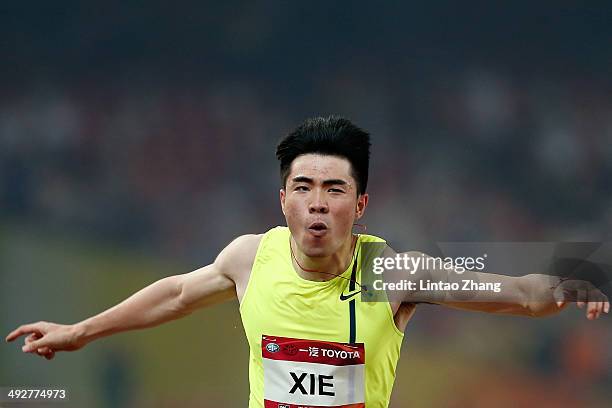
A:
320, 203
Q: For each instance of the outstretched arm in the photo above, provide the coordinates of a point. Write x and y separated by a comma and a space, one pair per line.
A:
534, 295
167, 299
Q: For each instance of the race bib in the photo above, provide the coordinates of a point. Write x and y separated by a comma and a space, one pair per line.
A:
312, 374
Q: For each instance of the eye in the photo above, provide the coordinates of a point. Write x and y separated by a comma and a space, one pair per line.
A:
301, 188
336, 190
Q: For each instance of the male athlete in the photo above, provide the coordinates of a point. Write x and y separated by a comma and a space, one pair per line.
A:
313, 341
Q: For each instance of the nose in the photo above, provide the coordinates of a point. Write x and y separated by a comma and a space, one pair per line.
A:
318, 204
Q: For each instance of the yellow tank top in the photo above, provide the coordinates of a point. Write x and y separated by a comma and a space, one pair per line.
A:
278, 302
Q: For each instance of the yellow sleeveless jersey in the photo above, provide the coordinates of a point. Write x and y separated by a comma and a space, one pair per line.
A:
317, 333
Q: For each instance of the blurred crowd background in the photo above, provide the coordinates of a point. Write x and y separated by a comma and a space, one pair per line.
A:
137, 141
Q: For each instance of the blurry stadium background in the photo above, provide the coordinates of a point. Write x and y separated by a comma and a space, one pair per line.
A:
137, 140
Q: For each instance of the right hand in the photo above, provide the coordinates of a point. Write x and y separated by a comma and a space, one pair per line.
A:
44, 338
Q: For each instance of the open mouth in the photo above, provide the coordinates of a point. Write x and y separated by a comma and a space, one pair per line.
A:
318, 228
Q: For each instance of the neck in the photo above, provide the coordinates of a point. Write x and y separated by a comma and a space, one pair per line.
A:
322, 268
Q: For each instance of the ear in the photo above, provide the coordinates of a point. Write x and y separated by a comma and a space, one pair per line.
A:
282, 199
362, 203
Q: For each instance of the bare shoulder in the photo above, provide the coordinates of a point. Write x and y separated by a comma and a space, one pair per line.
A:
236, 259
402, 311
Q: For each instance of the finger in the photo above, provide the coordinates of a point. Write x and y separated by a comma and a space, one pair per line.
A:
600, 307
606, 304
21, 330
591, 310
33, 337
50, 355
597, 309
592, 307
33, 346
560, 296
580, 298
43, 350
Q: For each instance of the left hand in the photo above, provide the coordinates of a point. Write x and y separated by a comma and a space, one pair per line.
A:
583, 293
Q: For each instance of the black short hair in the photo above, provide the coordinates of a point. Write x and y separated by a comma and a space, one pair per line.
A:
331, 135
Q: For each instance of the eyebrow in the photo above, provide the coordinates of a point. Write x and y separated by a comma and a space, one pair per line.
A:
304, 179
